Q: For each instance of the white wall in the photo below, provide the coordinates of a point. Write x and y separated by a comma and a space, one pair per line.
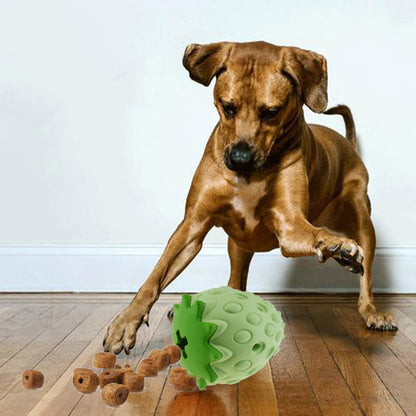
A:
101, 128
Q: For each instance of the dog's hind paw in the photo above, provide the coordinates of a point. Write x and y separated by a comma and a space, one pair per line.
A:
380, 322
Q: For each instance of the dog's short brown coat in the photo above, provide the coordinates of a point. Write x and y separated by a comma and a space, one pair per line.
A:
306, 193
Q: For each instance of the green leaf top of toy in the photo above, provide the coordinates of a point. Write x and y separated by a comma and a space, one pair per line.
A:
192, 336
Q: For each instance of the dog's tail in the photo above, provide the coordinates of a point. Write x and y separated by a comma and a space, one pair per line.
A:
346, 114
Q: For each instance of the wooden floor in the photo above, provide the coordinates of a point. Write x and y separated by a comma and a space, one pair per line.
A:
328, 363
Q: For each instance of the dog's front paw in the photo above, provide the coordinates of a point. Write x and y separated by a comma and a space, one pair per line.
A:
380, 322
121, 333
344, 250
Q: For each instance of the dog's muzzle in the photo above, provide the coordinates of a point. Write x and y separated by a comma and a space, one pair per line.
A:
239, 157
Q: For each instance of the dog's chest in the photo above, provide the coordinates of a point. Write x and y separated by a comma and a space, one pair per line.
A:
245, 199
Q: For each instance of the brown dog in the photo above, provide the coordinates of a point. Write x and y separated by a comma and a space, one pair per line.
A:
267, 178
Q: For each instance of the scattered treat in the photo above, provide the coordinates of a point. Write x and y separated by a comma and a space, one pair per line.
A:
104, 360
81, 370
162, 358
114, 394
127, 366
86, 381
148, 368
32, 379
134, 382
110, 376
175, 353
117, 366
181, 380
123, 371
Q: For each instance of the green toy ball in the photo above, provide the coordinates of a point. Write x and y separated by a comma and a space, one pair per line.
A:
225, 335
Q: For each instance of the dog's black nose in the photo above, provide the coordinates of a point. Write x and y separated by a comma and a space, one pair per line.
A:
241, 157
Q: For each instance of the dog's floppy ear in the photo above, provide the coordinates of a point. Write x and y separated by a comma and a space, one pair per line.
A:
309, 72
205, 61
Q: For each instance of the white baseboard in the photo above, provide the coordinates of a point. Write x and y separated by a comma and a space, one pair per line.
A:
123, 268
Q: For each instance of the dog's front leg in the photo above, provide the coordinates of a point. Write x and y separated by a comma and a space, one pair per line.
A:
182, 247
298, 237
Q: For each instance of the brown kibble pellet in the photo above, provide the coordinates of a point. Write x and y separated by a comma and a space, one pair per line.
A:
110, 376
114, 394
104, 360
148, 368
80, 370
181, 380
127, 366
32, 379
124, 371
134, 382
162, 358
117, 366
175, 353
86, 381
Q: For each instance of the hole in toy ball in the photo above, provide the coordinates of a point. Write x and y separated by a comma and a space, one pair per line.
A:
182, 341
258, 348
261, 307
80, 380
27, 377
119, 395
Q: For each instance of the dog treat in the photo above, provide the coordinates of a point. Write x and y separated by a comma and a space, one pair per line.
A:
86, 381
162, 358
127, 366
110, 376
148, 368
134, 382
114, 394
181, 380
117, 366
104, 360
175, 353
32, 379
81, 370
124, 370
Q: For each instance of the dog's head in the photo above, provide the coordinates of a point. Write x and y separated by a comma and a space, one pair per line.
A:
259, 93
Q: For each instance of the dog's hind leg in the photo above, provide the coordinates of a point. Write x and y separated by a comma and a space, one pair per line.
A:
239, 264
349, 214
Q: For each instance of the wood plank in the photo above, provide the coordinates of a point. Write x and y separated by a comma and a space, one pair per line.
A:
216, 400
406, 325
402, 347
368, 389
8, 311
320, 365
294, 393
92, 404
16, 399
409, 310
145, 403
256, 394
32, 329
37, 349
62, 396
395, 376
20, 319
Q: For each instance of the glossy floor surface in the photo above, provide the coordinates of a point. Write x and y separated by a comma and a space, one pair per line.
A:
328, 363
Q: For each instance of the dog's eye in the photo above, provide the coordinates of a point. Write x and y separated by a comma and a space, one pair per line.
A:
229, 109
269, 113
